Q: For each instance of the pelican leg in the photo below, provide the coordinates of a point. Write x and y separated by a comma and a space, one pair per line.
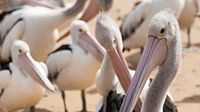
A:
189, 38
32, 109
84, 104
63, 98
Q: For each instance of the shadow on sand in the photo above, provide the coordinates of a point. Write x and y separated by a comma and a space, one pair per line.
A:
191, 99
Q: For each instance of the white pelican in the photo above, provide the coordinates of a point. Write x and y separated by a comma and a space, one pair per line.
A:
110, 38
163, 49
187, 17
36, 26
74, 66
108, 35
23, 81
135, 25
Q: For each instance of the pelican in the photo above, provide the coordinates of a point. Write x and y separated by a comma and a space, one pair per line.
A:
36, 26
110, 38
46, 3
135, 26
163, 49
108, 35
22, 81
190, 10
74, 66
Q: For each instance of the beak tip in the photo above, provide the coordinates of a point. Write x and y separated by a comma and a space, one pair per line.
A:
52, 89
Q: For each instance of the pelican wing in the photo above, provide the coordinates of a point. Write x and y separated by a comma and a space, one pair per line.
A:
58, 59
5, 76
8, 21
135, 18
15, 32
169, 105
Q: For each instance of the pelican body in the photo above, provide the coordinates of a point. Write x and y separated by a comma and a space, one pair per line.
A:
135, 26
73, 66
23, 81
190, 10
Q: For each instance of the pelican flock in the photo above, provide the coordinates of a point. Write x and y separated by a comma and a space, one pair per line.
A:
163, 49
109, 36
34, 60
19, 23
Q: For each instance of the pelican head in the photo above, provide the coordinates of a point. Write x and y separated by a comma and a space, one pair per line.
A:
107, 32
109, 36
82, 36
159, 51
20, 52
161, 26
77, 28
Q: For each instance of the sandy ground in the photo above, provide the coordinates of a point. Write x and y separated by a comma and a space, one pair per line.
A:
185, 89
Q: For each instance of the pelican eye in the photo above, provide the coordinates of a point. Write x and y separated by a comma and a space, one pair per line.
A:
20, 51
80, 30
162, 31
114, 40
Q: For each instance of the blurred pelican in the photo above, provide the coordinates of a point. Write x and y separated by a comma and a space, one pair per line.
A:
187, 17
135, 25
36, 26
23, 81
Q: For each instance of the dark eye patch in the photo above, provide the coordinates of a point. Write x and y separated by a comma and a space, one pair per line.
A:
80, 30
20, 51
162, 31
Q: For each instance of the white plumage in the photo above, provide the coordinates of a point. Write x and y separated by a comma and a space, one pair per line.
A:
18, 88
135, 26
36, 26
73, 66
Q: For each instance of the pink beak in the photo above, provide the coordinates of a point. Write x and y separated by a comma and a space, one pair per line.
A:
154, 54
120, 66
91, 44
91, 11
35, 70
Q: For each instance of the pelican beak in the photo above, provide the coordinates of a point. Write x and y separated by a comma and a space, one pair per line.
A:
92, 45
91, 11
154, 54
35, 70
120, 66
